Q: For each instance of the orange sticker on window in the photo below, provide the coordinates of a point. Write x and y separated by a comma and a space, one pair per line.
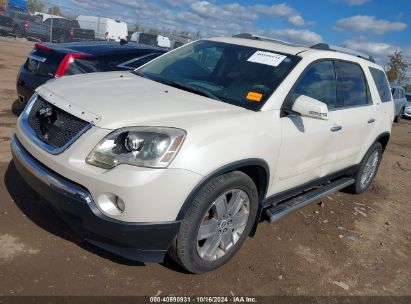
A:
254, 96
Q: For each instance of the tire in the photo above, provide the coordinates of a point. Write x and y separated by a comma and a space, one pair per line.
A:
398, 118
361, 182
197, 255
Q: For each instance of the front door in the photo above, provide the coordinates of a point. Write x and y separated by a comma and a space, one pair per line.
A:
308, 148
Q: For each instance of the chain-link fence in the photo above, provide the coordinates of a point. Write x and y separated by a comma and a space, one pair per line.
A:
50, 22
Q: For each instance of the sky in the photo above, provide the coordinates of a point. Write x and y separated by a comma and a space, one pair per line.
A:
375, 27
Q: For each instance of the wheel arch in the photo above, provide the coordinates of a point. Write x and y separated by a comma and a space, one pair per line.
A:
257, 169
383, 139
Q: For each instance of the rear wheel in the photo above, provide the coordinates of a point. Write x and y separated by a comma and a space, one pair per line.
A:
217, 223
368, 169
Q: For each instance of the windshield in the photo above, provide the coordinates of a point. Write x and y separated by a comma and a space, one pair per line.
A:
235, 74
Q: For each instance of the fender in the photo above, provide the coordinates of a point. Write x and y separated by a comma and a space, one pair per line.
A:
224, 169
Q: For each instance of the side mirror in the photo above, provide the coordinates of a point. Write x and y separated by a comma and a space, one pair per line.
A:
310, 107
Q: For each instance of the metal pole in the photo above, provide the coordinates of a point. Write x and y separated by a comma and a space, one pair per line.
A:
98, 28
51, 25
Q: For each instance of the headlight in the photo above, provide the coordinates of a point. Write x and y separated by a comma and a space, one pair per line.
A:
152, 147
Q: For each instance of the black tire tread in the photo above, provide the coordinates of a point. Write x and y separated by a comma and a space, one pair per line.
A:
356, 187
176, 252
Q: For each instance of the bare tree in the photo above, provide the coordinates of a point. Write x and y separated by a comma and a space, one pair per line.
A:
35, 6
397, 69
154, 31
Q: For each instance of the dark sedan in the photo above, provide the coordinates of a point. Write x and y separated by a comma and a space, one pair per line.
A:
50, 60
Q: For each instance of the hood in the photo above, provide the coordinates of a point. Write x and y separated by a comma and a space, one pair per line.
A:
120, 99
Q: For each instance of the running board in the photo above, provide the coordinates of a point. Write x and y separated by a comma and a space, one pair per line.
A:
276, 212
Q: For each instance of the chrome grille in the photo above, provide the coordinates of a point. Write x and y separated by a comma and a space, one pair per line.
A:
51, 127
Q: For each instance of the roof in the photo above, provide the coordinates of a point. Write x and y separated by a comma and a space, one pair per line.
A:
99, 47
270, 44
266, 45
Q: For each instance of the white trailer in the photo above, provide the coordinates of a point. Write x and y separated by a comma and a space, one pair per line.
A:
105, 28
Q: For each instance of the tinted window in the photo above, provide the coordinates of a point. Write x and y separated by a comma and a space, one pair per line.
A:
318, 82
395, 93
99, 64
351, 85
47, 68
408, 97
381, 83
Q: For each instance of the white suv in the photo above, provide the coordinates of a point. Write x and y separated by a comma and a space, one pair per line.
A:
187, 153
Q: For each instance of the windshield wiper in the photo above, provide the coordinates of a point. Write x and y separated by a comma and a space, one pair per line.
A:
138, 73
193, 89
179, 85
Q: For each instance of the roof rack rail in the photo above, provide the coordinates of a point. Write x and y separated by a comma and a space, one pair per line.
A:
328, 47
262, 38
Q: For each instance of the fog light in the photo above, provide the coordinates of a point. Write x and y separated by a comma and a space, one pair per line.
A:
120, 204
111, 203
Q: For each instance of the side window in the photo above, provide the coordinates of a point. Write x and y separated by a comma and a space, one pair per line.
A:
381, 83
351, 85
395, 93
318, 82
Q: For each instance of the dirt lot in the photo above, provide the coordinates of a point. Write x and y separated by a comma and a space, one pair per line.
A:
348, 245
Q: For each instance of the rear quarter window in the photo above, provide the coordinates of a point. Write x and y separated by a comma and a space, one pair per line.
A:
382, 84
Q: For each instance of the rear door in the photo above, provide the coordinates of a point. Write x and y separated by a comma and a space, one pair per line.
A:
355, 113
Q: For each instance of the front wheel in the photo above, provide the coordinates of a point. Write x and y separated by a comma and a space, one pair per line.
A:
217, 223
368, 169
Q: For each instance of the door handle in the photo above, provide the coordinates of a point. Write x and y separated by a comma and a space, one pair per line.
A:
371, 120
336, 128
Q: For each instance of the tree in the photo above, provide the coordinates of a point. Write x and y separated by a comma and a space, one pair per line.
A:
35, 6
397, 68
154, 31
55, 10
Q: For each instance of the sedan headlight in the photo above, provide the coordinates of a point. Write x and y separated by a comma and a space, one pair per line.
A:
153, 147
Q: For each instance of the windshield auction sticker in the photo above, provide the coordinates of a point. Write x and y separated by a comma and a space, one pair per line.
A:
267, 58
254, 96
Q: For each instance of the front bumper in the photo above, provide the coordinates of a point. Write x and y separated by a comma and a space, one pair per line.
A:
407, 112
144, 242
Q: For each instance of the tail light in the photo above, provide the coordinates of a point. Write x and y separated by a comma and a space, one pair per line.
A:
26, 24
40, 46
65, 63
71, 32
106, 36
